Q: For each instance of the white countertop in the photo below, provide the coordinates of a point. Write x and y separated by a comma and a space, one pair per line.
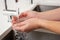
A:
4, 26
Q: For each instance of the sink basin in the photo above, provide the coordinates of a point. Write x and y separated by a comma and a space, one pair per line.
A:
47, 7
34, 35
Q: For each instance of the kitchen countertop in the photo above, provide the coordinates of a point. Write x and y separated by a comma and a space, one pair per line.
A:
5, 27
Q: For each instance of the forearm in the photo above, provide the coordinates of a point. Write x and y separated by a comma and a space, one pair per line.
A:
51, 25
50, 15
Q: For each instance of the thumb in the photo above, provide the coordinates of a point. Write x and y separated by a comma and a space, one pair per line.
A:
14, 19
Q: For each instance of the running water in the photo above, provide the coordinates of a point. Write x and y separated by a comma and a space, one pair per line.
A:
20, 35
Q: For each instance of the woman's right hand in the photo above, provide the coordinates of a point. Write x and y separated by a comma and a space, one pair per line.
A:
28, 15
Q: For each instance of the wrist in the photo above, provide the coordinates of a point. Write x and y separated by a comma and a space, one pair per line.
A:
42, 23
39, 15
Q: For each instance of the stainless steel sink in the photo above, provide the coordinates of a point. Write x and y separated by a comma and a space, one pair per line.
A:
47, 7
34, 35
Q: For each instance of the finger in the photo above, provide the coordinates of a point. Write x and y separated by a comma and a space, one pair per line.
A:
22, 28
24, 14
14, 19
23, 19
18, 24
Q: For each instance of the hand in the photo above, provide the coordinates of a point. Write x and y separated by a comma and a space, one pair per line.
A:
28, 14
27, 25
24, 16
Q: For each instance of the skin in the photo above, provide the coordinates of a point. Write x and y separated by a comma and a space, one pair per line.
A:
48, 15
31, 20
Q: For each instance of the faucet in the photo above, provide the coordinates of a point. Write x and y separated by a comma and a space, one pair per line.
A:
31, 1
10, 14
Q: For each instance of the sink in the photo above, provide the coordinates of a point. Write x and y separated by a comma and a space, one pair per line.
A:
34, 35
47, 7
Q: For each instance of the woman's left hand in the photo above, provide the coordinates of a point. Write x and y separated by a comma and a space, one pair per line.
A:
27, 25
